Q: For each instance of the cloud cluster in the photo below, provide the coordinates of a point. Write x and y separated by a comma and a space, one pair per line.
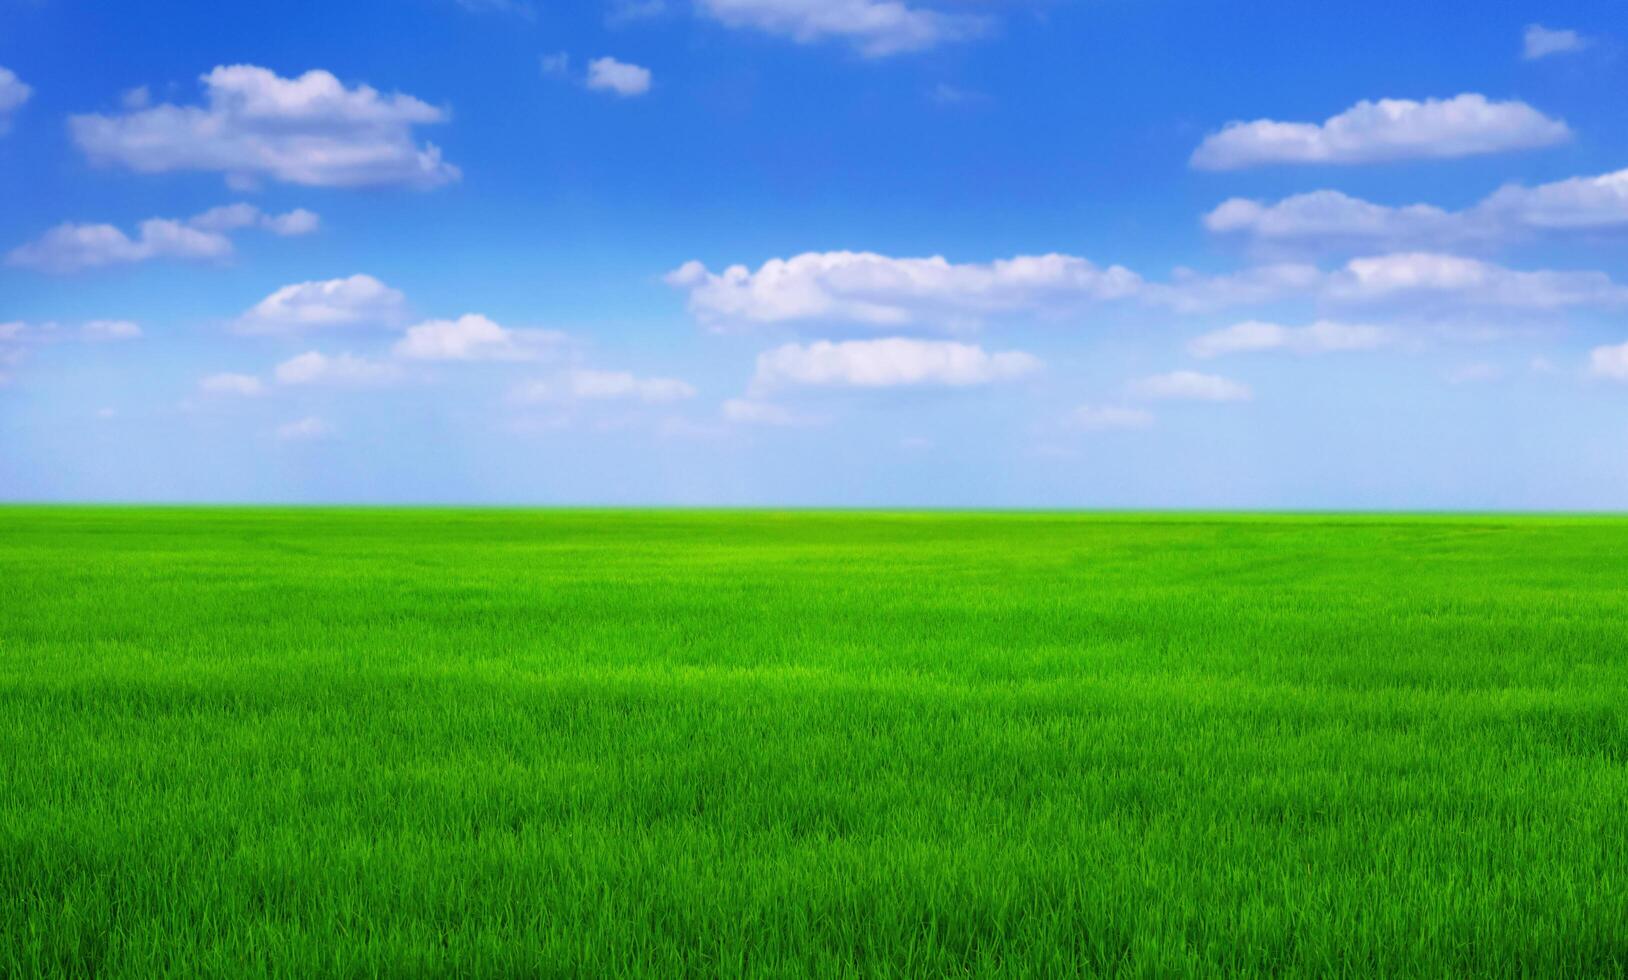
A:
887, 363
359, 301
1330, 220
70, 247
1387, 129
1426, 277
895, 294
1322, 337
875, 28
886, 292
255, 125
13, 93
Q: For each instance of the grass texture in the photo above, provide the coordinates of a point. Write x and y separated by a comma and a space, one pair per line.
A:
335, 743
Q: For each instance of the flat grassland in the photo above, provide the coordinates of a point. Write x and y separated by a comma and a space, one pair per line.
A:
244, 742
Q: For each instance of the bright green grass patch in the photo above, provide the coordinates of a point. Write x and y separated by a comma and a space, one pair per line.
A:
482, 743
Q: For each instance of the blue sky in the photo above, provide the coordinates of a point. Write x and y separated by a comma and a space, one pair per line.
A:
1034, 253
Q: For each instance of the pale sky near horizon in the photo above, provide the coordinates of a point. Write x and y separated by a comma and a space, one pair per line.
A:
1031, 253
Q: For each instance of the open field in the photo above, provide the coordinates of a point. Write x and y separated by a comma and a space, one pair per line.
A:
487, 743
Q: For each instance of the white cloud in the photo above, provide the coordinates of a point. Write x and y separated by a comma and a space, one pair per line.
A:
227, 383
230, 217
1192, 386
106, 330
876, 28
1328, 219
13, 93
609, 75
1106, 418
887, 363
1432, 277
584, 384
1322, 337
357, 301
1418, 282
1332, 219
1578, 203
1541, 42
557, 63
473, 337
886, 292
255, 125
829, 288
750, 411
304, 430
339, 371
1191, 292
1389, 129
1610, 363
73, 248
69, 247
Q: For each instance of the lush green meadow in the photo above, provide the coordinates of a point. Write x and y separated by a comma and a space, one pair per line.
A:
503, 743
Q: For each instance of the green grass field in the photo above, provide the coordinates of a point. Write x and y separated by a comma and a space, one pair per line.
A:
309, 743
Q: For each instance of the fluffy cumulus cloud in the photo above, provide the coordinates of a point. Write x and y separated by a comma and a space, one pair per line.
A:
876, 28
255, 125
1108, 418
1542, 42
473, 337
13, 93
1327, 219
1450, 279
617, 77
889, 293
1192, 386
585, 384
69, 247
1610, 363
887, 363
1387, 129
1332, 220
1322, 337
229, 383
359, 301
314, 368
